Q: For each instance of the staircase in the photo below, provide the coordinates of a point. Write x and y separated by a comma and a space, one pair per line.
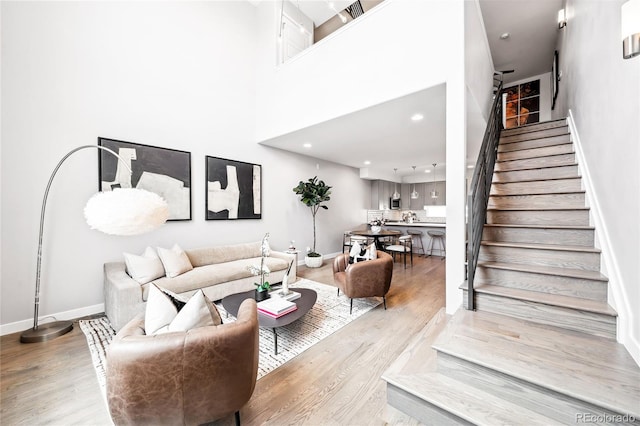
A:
540, 347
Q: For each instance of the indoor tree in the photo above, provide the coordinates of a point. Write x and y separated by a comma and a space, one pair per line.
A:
312, 194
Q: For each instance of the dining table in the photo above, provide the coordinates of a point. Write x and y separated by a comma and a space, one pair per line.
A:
383, 233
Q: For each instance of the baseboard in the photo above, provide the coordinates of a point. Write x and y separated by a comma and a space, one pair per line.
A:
617, 296
17, 326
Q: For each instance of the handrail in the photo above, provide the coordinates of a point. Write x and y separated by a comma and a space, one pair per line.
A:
478, 197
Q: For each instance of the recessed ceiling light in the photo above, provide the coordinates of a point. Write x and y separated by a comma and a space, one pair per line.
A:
307, 145
367, 162
417, 117
470, 166
505, 36
427, 171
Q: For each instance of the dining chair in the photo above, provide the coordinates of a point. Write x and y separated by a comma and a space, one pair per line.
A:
403, 245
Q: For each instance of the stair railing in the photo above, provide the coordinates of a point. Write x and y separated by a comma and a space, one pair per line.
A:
478, 197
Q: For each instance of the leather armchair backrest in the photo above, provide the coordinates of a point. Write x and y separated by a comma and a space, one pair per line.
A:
179, 378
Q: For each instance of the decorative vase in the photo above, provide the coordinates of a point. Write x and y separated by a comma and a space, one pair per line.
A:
313, 261
261, 295
375, 228
285, 285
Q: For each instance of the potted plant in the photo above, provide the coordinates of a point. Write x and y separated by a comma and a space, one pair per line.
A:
312, 194
262, 288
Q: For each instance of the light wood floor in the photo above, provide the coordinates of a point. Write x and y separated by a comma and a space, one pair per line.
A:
336, 382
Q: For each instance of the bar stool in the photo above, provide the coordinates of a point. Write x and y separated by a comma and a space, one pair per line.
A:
417, 235
439, 236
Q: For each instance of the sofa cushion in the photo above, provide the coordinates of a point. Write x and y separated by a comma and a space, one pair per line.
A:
162, 315
222, 254
174, 260
145, 268
208, 275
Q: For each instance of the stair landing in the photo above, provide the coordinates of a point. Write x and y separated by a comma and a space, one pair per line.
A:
492, 369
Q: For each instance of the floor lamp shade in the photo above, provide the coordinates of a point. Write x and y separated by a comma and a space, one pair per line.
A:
126, 211
119, 212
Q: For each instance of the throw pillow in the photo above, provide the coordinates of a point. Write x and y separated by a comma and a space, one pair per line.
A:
175, 261
145, 268
372, 251
163, 315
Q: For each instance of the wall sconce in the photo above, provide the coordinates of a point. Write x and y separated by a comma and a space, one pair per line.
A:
630, 29
562, 19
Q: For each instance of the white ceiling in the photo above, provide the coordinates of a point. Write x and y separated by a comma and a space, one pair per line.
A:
319, 10
533, 29
386, 136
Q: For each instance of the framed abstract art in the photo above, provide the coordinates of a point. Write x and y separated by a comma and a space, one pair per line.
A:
167, 172
233, 189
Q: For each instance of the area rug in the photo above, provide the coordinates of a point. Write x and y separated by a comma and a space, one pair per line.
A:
329, 314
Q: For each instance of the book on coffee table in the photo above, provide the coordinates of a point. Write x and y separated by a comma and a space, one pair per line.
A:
281, 314
276, 306
292, 295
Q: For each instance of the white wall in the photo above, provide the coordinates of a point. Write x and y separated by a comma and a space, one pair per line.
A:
395, 49
170, 74
602, 91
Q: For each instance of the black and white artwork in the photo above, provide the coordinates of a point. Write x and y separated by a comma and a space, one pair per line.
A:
167, 172
234, 189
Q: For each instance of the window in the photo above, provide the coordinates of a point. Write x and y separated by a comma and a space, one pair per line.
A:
522, 104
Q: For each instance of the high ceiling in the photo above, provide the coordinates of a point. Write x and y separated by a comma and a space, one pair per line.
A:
386, 136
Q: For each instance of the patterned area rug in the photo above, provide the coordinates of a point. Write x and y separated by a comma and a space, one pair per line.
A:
330, 313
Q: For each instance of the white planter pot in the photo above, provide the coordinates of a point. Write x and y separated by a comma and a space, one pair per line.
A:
313, 262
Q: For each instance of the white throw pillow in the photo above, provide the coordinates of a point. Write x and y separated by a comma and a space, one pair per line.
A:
145, 268
355, 250
163, 316
175, 261
372, 251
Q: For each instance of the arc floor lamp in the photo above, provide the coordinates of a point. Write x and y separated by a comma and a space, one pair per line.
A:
124, 211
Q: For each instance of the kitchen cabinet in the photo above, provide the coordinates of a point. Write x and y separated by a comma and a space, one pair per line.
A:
381, 191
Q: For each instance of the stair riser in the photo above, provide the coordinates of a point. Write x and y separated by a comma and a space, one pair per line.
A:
537, 174
572, 237
555, 258
534, 134
534, 143
536, 217
537, 187
535, 127
570, 200
536, 163
536, 152
551, 284
572, 319
421, 410
560, 407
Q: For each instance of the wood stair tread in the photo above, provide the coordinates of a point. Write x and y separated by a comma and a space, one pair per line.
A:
575, 227
520, 159
539, 246
468, 403
593, 369
538, 208
547, 270
504, 143
536, 179
586, 305
535, 127
522, 194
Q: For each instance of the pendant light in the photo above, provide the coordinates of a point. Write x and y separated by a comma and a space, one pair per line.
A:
434, 193
414, 193
396, 194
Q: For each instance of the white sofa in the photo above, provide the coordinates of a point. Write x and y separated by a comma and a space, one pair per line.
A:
218, 271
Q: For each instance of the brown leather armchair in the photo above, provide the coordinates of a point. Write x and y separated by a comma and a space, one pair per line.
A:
183, 378
363, 279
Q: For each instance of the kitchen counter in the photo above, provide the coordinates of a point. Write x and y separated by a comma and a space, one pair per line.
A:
425, 227
417, 224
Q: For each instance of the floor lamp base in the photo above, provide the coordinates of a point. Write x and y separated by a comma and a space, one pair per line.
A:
45, 332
